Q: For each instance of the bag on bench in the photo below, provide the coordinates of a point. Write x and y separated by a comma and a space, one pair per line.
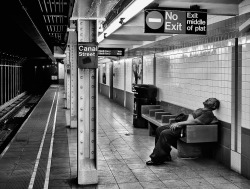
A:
181, 117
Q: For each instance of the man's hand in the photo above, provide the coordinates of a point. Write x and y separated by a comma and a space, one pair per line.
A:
174, 126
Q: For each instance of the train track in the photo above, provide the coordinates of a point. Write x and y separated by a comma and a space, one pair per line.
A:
12, 117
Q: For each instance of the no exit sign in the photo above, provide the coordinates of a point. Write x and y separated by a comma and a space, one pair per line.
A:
175, 22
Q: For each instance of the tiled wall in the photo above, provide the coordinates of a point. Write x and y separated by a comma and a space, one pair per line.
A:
188, 76
101, 70
128, 64
244, 132
118, 71
245, 41
148, 69
107, 74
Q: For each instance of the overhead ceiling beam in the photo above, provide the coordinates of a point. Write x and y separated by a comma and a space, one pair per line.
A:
26, 23
125, 42
115, 46
214, 7
138, 37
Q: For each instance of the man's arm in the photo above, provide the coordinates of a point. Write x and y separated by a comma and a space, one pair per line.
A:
204, 118
183, 123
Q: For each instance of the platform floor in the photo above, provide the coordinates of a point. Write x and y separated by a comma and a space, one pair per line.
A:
43, 154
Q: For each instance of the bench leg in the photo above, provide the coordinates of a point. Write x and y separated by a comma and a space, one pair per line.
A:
151, 129
188, 150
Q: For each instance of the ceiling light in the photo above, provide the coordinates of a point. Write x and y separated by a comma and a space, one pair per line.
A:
71, 29
133, 9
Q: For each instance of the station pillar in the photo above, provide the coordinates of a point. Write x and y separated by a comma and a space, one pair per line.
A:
87, 102
73, 85
67, 79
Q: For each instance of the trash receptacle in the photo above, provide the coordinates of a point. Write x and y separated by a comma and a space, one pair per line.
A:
143, 95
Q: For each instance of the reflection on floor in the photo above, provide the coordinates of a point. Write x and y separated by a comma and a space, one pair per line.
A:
123, 151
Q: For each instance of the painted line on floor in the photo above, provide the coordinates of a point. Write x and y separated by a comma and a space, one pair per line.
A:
46, 183
32, 180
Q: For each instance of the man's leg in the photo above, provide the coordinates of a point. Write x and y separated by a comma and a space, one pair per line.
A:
158, 132
162, 148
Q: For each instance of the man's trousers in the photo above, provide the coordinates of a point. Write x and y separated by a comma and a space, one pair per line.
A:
164, 139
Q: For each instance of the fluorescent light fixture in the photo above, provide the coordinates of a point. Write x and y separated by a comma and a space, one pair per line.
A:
133, 9
87, 18
57, 55
71, 29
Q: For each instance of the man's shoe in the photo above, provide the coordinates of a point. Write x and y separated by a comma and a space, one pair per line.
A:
150, 162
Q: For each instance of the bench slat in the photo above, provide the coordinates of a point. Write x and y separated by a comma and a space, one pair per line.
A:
153, 111
153, 120
166, 118
145, 108
158, 115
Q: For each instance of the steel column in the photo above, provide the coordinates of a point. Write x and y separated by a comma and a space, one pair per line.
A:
5, 80
68, 79
73, 86
65, 83
13, 75
1, 81
87, 111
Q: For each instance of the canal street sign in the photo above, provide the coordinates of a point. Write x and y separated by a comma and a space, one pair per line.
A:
175, 21
87, 55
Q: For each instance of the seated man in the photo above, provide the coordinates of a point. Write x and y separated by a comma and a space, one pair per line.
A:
167, 136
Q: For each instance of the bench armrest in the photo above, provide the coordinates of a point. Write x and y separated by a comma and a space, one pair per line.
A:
200, 133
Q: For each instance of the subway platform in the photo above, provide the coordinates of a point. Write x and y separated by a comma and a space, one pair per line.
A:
44, 154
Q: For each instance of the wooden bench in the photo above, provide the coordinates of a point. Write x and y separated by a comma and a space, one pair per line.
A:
192, 137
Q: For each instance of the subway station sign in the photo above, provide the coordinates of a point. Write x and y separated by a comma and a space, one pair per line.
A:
175, 22
110, 52
87, 55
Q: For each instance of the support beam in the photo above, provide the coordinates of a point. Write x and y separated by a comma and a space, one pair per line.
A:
65, 83
125, 42
68, 80
133, 37
73, 85
87, 110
